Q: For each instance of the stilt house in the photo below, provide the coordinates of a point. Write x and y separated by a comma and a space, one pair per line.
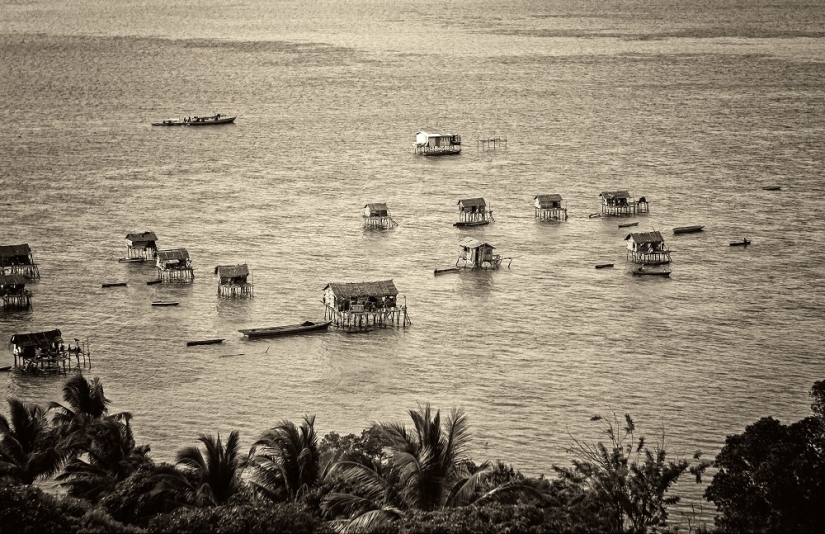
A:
174, 265
44, 352
647, 248
14, 293
620, 204
377, 215
550, 208
477, 254
358, 304
435, 144
142, 246
233, 281
473, 212
18, 259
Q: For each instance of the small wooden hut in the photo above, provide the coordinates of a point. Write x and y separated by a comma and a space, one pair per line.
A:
142, 246
550, 208
377, 215
436, 144
18, 259
478, 254
473, 212
174, 266
359, 304
621, 204
45, 352
233, 281
647, 248
14, 293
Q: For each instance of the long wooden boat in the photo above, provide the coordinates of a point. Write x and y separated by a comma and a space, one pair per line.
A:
641, 271
744, 243
165, 303
604, 266
204, 342
131, 260
772, 188
446, 270
273, 331
687, 229
628, 225
114, 284
5, 369
463, 224
197, 121
153, 282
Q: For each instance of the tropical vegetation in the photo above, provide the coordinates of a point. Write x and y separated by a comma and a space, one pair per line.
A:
393, 477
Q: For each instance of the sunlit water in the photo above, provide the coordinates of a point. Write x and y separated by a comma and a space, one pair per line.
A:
694, 107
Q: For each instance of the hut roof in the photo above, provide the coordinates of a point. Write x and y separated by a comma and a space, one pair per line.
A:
143, 237
15, 250
173, 254
36, 339
467, 202
12, 280
377, 206
646, 237
232, 271
431, 134
363, 289
546, 199
614, 194
470, 242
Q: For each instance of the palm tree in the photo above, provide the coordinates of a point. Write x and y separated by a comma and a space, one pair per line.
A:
200, 480
285, 460
84, 400
428, 469
28, 445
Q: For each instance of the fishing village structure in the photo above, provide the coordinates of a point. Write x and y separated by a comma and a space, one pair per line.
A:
174, 266
142, 246
377, 215
359, 304
621, 204
18, 259
14, 293
647, 248
478, 254
550, 208
434, 144
473, 212
45, 353
491, 143
233, 281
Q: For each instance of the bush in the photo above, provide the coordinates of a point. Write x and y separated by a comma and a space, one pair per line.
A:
27, 509
492, 518
236, 518
132, 500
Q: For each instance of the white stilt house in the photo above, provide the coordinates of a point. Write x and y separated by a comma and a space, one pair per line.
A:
14, 293
473, 212
550, 208
647, 248
377, 215
174, 266
142, 245
436, 144
478, 254
233, 280
360, 304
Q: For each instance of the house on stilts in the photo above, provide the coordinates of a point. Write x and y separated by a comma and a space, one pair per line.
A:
18, 259
233, 280
473, 212
14, 293
361, 304
550, 208
647, 248
142, 246
377, 215
174, 266
478, 254
435, 144
621, 204
45, 353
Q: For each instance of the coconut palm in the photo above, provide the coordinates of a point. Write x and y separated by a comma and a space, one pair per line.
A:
285, 461
203, 480
28, 444
428, 469
84, 400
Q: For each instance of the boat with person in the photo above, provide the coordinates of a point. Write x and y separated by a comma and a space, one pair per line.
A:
688, 229
744, 243
641, 271
274, 331
211, 120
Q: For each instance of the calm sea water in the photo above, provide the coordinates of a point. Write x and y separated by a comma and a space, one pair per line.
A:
695, 107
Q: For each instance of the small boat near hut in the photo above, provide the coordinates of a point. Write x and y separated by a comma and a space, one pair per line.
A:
197, 121
641, 271
114, 284
604, 266
165, 303
688, 229
274, 331
628, 225
744, 243
132, 260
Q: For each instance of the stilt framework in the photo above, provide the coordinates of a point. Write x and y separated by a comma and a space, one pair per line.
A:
377, 215
174, 266
491, 143
14, 293
550, 208
18, 259
647, 248
234, 280
364, 304
618, 204
476, 254
474, 210
142, 246
45, 353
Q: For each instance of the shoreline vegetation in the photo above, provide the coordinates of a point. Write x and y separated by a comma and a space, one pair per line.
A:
406, 477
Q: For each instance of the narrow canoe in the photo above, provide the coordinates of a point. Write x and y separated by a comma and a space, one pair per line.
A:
131, 260
772, 188
273, 331
204, 342
447, 270
743, 243
114, 284
462, 224
687, 229
604, 265
628, 225
165, 303
5, 369
644, 272
153, 282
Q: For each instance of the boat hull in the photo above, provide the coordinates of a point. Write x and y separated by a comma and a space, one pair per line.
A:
688, 229
462, 224
287, 330
651, 273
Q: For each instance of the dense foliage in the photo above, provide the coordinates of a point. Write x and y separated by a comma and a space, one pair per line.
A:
392, 478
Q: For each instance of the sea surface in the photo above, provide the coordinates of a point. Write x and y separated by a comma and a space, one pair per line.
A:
694, 105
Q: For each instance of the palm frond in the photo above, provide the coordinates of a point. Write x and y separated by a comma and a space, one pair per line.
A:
463, 491
346, 504
372, 521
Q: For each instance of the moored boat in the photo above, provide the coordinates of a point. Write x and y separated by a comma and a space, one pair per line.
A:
446, 270
204, 342
604, 266
687, 229
114, 284
628, 225
744, 243
132, 260
772, 188
273, 331
165, 303
641, 271
197, 121
462, 224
